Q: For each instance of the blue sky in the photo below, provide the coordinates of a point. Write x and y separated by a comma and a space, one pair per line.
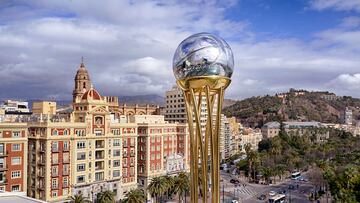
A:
128, 45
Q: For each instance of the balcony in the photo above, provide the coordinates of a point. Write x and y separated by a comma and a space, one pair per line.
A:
41, 162
41, 175
99, 165
99, 144
99, 155
4, 154
125, 154
42, 150
132, 154
3, 167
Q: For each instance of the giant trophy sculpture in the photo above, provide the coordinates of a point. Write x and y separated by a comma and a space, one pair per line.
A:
203, 65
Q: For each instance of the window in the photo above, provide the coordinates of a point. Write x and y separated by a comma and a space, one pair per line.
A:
99, 176
16, 134
80, 179
55, 132
55, 158
98, 132
16, 147
116, 163
81, 156
55, 146
1, 149
54, 171
98, 120
54, 193
2, 177
66, 157
124, 172
65, 192
81, 144
65, 182
14, 161
15, 174
125, 143
65, 132
54, 183
81, 167
116, 152
66, 146
116, 143
65, 169
15, 188
2, 163
116, 173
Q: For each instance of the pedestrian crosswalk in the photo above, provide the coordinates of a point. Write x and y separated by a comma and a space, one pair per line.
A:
248, 191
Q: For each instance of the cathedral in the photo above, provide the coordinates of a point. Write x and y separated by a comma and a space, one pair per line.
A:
83, 85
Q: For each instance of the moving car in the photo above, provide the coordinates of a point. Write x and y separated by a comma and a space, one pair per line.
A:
272, 193
234, 181
262, 197
291, 187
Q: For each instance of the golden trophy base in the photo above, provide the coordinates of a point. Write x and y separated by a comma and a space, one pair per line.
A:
195, 89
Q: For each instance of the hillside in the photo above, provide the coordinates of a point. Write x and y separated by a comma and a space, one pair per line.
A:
306, 106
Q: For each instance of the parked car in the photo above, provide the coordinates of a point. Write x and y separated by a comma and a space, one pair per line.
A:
262, 197
282, 192
234, 201
272, 193
234, 181
291, 187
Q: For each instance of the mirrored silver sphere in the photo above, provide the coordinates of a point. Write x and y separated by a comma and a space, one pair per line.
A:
203, 54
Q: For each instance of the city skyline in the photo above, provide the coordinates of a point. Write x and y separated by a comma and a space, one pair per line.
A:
304, 44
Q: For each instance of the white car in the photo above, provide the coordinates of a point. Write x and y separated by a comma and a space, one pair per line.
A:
234, 201
272, 193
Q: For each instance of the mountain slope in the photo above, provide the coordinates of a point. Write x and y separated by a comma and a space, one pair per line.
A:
256, 111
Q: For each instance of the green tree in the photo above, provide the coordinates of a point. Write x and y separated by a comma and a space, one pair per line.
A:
182, 185
135, 196
157, 187
78, 199
105, 197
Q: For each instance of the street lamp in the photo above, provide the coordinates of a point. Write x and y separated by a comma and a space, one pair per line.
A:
203, 65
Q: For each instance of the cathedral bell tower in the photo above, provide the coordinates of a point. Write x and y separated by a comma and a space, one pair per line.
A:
82, 83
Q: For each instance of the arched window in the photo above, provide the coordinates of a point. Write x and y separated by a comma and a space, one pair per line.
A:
55, 132
98, 120
84, 84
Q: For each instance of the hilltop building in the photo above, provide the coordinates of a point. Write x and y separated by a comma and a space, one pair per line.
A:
297, 128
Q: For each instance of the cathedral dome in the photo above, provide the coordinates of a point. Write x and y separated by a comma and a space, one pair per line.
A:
91, 94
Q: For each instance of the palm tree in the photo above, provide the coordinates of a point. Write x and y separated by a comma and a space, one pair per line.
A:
157, 187
169, 181
105, 197
135, 196
182, 185
78, 199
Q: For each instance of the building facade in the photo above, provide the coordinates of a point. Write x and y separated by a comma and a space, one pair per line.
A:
163, 148
13, 157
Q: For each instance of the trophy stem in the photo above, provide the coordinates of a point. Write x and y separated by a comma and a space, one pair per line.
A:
199, 143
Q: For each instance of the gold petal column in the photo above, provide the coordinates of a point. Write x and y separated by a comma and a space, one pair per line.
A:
203, 65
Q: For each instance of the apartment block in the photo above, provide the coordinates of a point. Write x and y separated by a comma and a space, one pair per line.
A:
13, 156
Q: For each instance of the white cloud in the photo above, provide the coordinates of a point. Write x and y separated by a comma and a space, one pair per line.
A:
340, 5
128, 49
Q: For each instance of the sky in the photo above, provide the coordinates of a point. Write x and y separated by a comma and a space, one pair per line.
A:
128, 45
